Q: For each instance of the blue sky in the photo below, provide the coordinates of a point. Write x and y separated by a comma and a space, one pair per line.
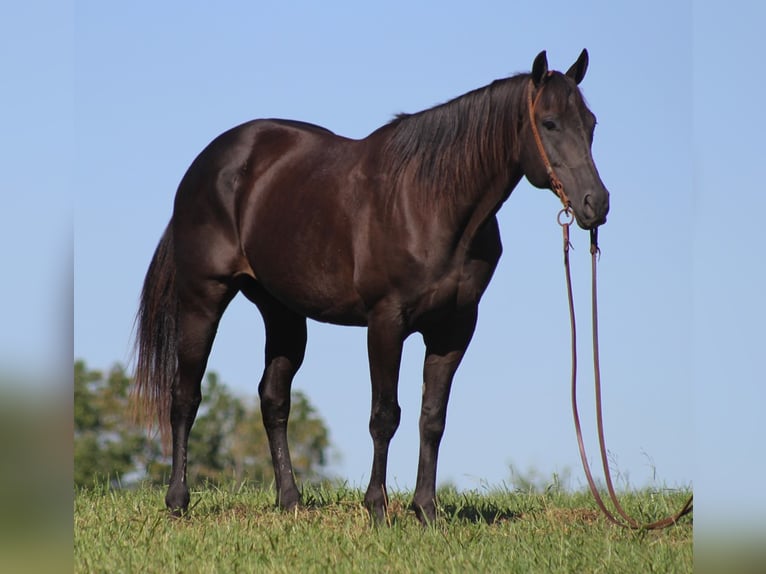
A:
110, 103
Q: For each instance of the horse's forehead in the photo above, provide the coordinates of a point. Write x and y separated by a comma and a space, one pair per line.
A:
564, 96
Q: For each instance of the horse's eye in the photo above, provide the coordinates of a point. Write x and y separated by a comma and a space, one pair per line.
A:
549, 125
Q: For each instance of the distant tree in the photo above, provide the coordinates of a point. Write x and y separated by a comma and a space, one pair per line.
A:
227, 442
106, 443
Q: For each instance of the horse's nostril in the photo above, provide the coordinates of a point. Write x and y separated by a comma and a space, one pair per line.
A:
588, 206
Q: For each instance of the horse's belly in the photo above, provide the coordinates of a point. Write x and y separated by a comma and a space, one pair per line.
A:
321, 302
311, 282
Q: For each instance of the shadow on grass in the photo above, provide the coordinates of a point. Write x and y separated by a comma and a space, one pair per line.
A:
397, 513
216, 502
485, 513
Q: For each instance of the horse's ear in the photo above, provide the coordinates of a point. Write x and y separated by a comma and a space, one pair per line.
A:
540, 68
578, 69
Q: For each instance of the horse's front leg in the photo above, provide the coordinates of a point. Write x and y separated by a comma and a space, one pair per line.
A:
446, 343
384, 346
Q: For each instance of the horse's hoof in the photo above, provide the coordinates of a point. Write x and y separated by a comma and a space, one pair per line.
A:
177, 501
425, 514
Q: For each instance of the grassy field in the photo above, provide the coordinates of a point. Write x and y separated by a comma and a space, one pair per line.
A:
239, 530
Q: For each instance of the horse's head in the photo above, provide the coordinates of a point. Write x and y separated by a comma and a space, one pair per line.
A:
557, 137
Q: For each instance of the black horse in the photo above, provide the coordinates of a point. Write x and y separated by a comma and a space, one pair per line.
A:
396, 232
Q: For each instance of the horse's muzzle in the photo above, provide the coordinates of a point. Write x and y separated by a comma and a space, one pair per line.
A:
593, 210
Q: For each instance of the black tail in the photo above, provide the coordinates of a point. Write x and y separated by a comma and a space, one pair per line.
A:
157, 339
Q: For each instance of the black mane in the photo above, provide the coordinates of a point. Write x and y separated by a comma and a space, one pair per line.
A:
469, 140
461, 142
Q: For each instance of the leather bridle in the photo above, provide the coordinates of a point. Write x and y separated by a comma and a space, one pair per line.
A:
624, 519
556, 185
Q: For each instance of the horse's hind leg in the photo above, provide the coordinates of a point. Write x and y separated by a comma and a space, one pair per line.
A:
199, 311
284, 352
446, 343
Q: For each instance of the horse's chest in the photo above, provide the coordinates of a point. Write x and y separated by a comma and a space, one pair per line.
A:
460, 288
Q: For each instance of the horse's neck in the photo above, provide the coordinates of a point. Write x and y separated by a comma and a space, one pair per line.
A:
455, 164
486, 204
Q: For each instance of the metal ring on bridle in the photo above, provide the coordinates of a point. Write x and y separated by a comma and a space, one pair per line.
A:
567, 212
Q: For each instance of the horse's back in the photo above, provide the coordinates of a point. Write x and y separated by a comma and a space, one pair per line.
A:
241, 162
257, 141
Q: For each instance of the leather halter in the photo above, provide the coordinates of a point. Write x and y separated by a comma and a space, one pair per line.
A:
556, 185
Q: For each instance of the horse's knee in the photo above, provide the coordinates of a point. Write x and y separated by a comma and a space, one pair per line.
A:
432, 424
384, 421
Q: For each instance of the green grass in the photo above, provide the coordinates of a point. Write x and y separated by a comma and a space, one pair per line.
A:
239, 530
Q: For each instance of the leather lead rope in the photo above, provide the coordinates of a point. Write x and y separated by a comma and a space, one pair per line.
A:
624, 519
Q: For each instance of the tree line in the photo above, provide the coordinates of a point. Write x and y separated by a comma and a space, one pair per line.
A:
228, 440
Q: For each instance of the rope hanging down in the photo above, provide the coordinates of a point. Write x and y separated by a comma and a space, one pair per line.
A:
624, 519
565, 218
